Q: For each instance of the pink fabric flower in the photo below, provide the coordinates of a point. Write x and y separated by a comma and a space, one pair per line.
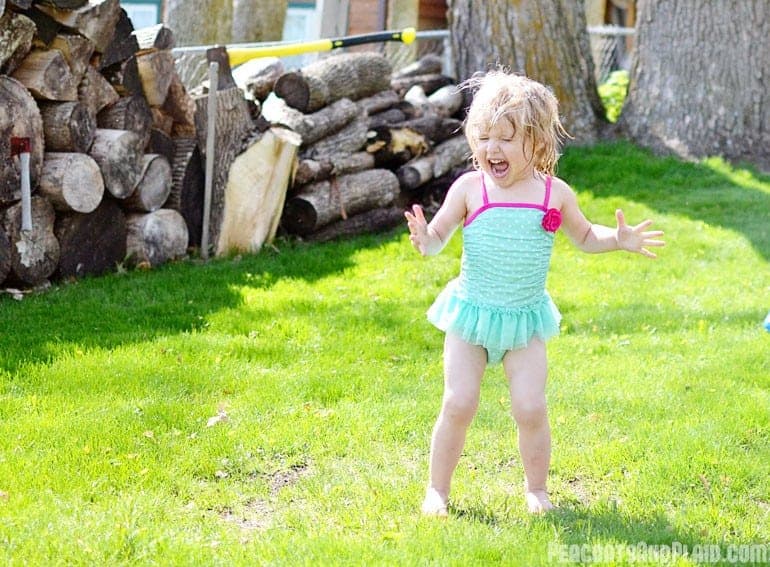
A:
552, 220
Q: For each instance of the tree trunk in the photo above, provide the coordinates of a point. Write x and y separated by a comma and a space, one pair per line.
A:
200, 22
19, 117
34, 253
154, 185
156, 237
68, 126
546, 40
320, 203
699, 84
119, 154
350, 75
91, 243
258, 20
72, 182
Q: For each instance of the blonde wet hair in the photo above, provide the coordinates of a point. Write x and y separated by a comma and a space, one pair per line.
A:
530, 107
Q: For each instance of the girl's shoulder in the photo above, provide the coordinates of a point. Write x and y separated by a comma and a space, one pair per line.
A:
467, 183
561, 192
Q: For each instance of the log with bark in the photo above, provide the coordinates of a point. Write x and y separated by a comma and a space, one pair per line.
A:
119, 154
379, 102
156, 237
180, 106
450, 153
386, 118
187, 183
95, 20
95, 91
34, 253
256, 191
47, 76
350, 75
154, 37
321, 203
156, 69
128, 113
429, 64
349, 139
91, 244
67, 126
19, 117
123, 44
124, 77
71, 181
257, 77
310, 171
434, 128
429, 83
315, 126
447, 100
375, 220
77, 51
16, 34
154, 185
232, 126
392, 147
5, 255
160, 143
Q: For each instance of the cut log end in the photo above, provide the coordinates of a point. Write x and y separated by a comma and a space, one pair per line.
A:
294, 90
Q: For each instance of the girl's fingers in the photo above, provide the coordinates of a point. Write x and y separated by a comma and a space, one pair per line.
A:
620, 218
652, 233
645, 252
654, 243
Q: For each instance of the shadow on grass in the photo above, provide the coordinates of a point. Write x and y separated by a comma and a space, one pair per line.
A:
579, 525
119, 309
733, 197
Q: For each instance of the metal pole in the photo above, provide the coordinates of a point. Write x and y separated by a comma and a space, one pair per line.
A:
22, 147
211, 126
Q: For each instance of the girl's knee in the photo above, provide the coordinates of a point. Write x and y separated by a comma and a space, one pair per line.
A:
459, 409
530, 415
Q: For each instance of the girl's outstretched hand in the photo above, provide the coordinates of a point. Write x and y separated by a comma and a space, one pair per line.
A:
636, 238
418, 229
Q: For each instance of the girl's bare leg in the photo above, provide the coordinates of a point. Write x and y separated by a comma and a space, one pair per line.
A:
527, 370
464, 366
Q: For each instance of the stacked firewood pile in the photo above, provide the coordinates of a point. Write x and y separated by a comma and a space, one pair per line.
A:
373, 141
105, 117
117, 144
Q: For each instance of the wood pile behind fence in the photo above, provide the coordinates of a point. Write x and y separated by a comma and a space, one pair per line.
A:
117, 142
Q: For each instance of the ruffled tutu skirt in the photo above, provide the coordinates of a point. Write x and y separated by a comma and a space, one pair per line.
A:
498, 329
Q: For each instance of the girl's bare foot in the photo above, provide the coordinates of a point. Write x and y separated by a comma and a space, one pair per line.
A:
538, 501
434, 504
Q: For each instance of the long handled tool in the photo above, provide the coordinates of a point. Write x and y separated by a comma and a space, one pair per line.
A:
242, 52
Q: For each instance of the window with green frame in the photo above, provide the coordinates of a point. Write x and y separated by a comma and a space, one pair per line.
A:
143, 13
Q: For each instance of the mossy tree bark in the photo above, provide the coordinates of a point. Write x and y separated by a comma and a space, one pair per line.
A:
699, 84
546, 40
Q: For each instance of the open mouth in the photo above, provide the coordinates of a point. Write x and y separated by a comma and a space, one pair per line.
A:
498, 167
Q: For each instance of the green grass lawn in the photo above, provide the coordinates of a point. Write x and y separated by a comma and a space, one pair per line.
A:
277, 408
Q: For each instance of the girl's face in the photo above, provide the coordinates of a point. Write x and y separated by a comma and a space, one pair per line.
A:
504, 154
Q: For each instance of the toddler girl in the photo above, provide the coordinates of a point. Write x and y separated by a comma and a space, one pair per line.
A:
498, 309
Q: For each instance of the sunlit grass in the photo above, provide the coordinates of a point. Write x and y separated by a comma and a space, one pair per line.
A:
277, 408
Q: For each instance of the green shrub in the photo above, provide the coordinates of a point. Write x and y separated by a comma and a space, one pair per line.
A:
613, 93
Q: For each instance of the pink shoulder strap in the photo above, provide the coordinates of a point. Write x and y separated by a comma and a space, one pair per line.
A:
484, 190
547, 192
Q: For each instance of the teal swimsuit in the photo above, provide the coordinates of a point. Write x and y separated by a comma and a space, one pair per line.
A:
499, 300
